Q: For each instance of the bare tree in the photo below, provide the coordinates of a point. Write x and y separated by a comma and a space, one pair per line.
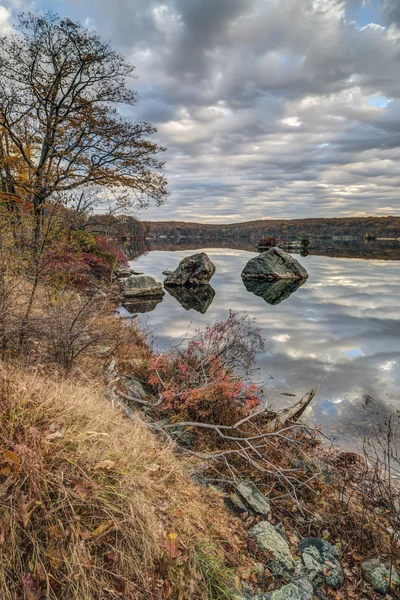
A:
61, 87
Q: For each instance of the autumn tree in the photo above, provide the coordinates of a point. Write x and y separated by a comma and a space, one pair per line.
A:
61, 126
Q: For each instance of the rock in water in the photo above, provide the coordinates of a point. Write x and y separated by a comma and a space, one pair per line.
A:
192, 270
269, 539
321, 563
378, 574
141, 286
272, 265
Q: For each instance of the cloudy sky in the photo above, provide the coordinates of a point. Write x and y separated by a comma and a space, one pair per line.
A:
268, 108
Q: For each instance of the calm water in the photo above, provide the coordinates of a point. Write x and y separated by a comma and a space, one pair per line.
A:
340, 330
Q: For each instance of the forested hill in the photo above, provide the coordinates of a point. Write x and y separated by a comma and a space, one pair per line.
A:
387, 227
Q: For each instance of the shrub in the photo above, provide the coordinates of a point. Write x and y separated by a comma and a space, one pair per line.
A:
268, 242
209, 379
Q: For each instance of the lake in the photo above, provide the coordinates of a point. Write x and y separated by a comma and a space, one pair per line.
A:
339, 331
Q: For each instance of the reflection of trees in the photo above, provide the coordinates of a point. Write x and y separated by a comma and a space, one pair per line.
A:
135, 248
198, 297
273, 292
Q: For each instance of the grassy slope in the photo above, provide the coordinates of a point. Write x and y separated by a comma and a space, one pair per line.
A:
93, 506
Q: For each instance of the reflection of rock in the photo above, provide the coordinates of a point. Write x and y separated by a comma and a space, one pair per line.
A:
192, 270
272, 265
141, 305
273, 292
138, 286
197, 297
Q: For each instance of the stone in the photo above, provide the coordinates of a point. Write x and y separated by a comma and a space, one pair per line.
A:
141, 286
300, 589
237, 503
273, 265
197, 297
123, 271
254, 498
273, 292
269, 539
321, 564
192, 270
378, 574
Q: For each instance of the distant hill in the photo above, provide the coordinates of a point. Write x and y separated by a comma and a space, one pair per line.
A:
357, 227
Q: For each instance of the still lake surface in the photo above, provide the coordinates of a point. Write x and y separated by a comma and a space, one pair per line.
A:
340, 331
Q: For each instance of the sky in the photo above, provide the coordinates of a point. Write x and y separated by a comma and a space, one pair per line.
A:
268, 108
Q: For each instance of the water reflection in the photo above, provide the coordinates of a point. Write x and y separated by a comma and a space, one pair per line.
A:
273, 292
340, 331
142, 305
197, 297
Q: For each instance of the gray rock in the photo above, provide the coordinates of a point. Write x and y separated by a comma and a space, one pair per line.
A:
379, 576
237, 503
123, 271
320, 560
135, 388
167, 272
140, 286
273, 292
192, 270
300, 589
272, 265
255, 499
269, 539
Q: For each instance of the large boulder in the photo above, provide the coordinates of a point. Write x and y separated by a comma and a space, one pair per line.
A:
272, 265
141, 286
379, 574
192, 270
321, 564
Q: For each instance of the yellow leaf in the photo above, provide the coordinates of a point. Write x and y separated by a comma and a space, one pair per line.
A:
107, 465
103, 528
173, 536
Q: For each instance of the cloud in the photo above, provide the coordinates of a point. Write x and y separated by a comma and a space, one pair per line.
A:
268, 108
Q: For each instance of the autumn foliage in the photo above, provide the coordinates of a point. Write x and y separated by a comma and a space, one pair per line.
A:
209, 378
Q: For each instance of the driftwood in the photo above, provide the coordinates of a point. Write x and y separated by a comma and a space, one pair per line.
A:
292, 413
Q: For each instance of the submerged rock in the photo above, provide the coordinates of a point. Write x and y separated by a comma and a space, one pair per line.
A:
269, 539
272, 265
320, 560
192, 270
379, 575
273, 292
198, 298
254, 498
140, 286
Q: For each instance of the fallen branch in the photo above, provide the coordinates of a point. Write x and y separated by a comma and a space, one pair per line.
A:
292, 413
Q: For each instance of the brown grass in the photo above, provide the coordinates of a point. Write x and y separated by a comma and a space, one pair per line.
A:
93, 506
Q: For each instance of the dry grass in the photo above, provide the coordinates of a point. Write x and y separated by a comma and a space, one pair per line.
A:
93, 506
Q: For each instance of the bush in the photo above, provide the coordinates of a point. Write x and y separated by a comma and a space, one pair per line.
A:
268, 242
209, 379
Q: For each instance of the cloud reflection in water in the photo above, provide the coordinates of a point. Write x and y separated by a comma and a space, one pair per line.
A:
340, 330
